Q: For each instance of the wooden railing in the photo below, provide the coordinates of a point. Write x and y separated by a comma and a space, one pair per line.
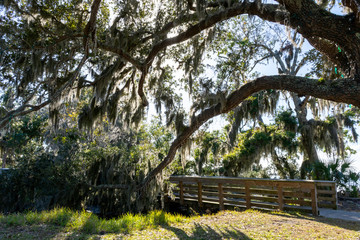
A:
326, 194
258, 193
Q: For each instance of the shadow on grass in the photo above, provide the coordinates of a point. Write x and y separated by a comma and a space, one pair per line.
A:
34, 232
207, 232
341, 223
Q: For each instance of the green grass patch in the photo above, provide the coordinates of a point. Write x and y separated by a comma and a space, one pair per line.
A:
86, 222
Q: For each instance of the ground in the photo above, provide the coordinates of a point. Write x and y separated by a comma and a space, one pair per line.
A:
249, 224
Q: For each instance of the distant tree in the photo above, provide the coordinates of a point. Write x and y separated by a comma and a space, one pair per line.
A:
252, 42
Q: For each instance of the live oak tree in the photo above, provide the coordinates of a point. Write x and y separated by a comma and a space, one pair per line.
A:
280, 143
50, 50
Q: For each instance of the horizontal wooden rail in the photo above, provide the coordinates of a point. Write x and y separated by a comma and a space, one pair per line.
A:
258, 193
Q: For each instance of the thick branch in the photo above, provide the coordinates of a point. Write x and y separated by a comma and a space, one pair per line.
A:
331, 51
208, 22
341, 90
122, 54
91, 25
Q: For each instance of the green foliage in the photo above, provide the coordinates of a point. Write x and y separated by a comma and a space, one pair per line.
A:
26, 130
339, 171
286, 120
252, 144
65, 167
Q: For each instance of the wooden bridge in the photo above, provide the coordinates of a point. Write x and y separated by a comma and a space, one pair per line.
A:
256, 193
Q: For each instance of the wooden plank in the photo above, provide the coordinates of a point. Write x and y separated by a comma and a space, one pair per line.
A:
200, 194
186, 198
205, 193
234, 189
221, 197
181, 193
211, 199
187, 186
230, 195
264, 199
191, 192
240, 184
247, 196
264, 205
324, 184
263, 191
297, 194
210, 188
325, 192
332, 199
336, 201
280, 197
300, 202
234, 202
314, 205
215, 179
301, 208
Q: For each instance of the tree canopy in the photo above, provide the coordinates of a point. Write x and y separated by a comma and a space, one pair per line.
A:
127, 52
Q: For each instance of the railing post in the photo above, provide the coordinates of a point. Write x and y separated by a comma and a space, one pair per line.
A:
247, 195
335, 195
221, 197
280, 197
314, 205
200, 194
181, 192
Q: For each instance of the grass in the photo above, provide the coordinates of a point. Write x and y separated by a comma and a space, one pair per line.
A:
63, 223
87, 222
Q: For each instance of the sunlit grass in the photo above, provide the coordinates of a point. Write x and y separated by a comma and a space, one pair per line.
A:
63, 223
87, 222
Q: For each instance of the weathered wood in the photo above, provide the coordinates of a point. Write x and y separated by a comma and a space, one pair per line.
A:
314, 205
221, 197
280, 197
261, 193
297, 194
247, 195
264, 205
230, 195
205, 193
298, 201
321, 198
264, 192
324, 184
264, 199
200, 194
235, 202
335, 194
330, 192
210, 188
234, 189
193, 192
181, 193
210, 199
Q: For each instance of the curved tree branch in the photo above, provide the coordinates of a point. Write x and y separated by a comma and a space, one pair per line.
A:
341, 90
26, 108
